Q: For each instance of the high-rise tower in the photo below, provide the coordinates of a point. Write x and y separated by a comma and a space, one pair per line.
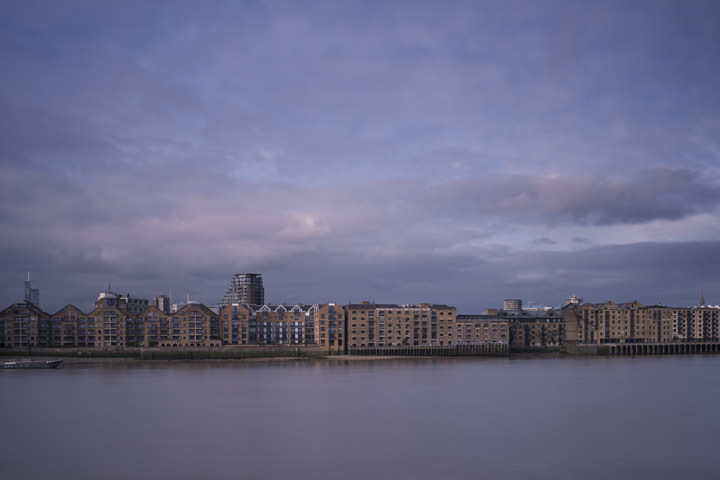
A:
32, 295
245, 288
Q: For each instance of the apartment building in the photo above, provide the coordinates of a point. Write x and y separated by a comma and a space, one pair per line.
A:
318, 324
24, 324
618, 323
108, 325
109, 318
329, 326
112, 324
517, 327
379, 325
194, 325
481, 329
696, 324
542, 328
69, 327
245, 288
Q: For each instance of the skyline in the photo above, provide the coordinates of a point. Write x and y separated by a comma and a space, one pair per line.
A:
457, 154
185, 299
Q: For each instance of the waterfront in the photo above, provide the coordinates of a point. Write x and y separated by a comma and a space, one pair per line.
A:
641, 417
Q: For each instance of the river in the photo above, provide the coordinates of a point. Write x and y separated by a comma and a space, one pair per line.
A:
542, 418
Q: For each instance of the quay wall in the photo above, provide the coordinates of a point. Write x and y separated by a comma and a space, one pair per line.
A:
196, 353
272, 351
480, 350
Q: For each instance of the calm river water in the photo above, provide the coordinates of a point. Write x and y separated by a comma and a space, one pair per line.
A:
587, 418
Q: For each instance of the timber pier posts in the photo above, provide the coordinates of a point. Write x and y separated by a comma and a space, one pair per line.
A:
663, 348
469, 350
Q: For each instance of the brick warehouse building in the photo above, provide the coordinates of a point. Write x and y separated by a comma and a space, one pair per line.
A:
345, 329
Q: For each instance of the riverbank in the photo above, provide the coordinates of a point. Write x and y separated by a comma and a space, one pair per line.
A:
275, 353
126, 361
243, 353
268, 352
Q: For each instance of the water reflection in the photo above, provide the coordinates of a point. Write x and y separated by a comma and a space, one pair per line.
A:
408, 418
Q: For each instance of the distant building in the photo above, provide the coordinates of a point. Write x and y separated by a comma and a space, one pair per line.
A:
512, 305
573, 300
176, 307
537, 308
162, 303
245, 288
32, 295
134, 305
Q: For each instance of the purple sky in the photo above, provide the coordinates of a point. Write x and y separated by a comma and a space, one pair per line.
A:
444, 151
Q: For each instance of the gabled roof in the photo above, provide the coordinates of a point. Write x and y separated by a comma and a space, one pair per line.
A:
69, 308
153, 309
194, 306
24, 305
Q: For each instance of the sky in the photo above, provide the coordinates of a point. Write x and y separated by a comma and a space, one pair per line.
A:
456, 152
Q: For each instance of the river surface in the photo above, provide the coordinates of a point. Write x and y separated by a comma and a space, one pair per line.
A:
543, 418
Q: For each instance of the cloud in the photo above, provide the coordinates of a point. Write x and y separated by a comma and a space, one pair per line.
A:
453, 153
194, 229
636, 197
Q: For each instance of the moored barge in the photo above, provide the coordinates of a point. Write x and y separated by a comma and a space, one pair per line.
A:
31, 364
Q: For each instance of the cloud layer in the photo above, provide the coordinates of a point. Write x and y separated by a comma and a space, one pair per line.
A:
458, 154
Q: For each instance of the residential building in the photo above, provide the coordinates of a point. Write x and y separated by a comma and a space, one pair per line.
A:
245, 288
319, 324
542, 328
109, 318
24, 324
117, 322
696, 324
68, 328
194, 325
618, 323
520, 329
481, 329
379, 325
